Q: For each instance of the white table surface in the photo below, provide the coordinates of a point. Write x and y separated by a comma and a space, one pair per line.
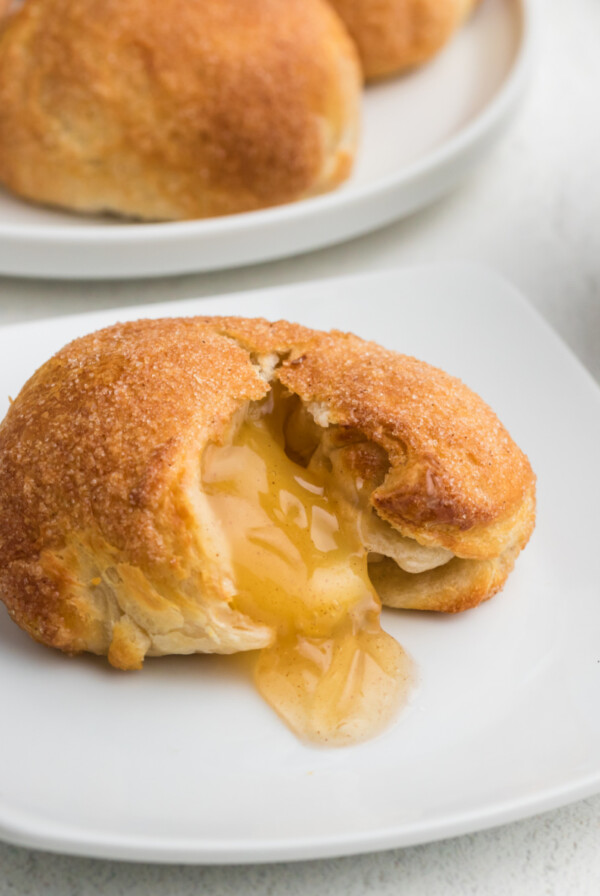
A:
532, 211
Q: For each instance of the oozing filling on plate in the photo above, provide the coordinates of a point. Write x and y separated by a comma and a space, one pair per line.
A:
297, 533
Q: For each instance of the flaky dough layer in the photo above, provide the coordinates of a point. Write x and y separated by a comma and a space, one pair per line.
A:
104, 544
169, 109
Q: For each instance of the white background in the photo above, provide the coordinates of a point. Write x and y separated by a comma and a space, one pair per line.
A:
532, 211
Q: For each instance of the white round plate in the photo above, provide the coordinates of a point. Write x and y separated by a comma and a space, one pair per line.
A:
421, 134
184, 762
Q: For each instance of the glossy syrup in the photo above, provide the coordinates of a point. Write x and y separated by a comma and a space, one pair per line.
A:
332, 673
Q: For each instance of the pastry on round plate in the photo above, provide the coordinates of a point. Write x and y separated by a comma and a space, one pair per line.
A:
394, 35
174, 109
210, 485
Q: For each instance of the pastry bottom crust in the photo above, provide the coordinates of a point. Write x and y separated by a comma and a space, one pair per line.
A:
458, 585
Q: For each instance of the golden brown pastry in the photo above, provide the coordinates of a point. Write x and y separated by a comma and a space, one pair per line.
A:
5, 6
224, 484
393, 35
169, 109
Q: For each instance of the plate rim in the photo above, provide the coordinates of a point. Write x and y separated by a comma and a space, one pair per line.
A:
68, 840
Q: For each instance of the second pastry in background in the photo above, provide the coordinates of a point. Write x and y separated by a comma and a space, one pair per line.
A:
170, 109
394, 35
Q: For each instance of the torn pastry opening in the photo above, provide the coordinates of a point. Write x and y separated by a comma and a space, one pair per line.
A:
289, 500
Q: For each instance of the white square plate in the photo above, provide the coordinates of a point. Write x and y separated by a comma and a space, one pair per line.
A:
185, 763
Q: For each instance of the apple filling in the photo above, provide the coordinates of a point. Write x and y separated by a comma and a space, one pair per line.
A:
296, 549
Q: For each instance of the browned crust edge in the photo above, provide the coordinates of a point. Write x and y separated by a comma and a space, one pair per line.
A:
457, 586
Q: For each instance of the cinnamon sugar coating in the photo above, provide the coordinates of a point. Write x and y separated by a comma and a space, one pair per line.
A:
95, 458
171, 109
456, 478
105, 544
